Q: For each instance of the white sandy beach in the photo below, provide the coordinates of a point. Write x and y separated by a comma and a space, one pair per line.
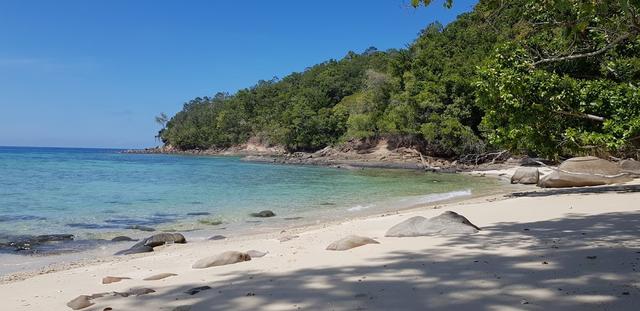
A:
559, 252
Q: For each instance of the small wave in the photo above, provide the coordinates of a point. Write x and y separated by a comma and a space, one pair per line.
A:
360, 208
437, 197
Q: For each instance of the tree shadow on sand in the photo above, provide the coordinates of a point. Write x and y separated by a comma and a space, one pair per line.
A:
574, 263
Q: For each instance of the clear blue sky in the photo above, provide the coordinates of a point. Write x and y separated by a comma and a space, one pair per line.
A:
94, 73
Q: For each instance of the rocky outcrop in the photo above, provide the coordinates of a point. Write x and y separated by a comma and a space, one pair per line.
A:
526, 176
225, 258
350, 242
584, 171
445, 224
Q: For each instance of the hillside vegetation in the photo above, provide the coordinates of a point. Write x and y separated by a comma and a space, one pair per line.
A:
545, 78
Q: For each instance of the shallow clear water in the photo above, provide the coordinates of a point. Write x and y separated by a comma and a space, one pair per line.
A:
88, 192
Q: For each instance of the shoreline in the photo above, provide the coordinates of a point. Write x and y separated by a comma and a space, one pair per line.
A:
532, 253
104, 252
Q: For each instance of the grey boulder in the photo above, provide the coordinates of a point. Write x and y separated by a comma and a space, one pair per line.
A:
445, 224
225, 258
583, 172
630, 166
526, 176
350, 242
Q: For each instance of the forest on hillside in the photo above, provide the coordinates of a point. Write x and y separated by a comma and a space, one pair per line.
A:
550, 78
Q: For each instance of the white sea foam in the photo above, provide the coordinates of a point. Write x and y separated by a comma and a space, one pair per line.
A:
437, 197
360, 208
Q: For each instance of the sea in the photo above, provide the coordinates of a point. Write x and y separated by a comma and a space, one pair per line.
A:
97, 194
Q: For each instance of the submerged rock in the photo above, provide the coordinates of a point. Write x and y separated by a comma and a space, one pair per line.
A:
80, 302
350, 242
225, 258
445, 224
526, 176
122, 238
264, 214
141, 228
31, 243
584, 171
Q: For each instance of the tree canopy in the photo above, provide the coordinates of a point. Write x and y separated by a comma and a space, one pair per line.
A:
549, 78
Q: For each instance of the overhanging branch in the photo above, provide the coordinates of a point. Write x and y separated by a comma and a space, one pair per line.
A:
590, 54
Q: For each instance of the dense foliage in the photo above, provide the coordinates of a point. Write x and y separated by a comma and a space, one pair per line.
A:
549, 77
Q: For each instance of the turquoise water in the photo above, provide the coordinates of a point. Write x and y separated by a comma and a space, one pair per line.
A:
89, 192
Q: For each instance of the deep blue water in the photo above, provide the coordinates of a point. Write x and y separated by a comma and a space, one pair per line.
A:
93, 192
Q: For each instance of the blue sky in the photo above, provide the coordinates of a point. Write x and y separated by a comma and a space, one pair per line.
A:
94, 73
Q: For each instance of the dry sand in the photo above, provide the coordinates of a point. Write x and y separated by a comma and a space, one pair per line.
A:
557, 252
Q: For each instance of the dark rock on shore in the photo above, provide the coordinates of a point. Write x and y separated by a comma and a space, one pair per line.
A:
155, 240
264, 214
135, 250
196, 290
444, 224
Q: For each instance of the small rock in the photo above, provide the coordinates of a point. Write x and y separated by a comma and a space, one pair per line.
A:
526, 176
217, 237
445, 224
256, 254
626, 293
350, 242
263, 214
288, 238
182, 308
79, 302
159, 276
196, 290
592, 257
113, 279
225, 258
135, 292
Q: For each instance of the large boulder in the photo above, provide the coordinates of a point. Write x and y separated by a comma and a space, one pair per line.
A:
526, 175
630, 166
446, 223
584, 171
225, 258
350, 242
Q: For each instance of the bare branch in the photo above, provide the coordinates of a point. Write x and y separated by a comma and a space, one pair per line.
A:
582, 115
590, 54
